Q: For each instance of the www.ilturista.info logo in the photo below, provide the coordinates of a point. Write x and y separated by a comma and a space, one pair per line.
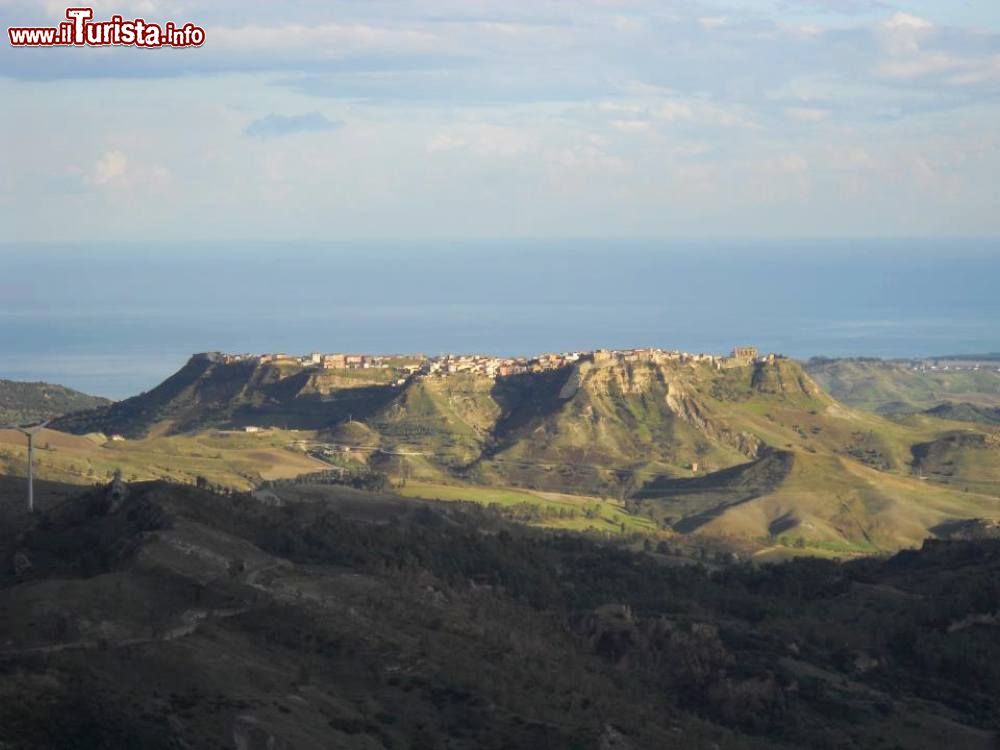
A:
80, 30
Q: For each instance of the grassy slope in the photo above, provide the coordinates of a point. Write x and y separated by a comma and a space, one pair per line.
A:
877, 385
560, 511
962, 459
233, 460
611, 433
832, 501
787, 410
450, 419
851, 484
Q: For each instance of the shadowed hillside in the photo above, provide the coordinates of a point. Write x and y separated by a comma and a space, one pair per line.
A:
964, 412
688, 504
158, 616
208, 392
961, 459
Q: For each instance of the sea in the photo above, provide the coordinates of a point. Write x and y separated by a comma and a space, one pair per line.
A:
115, 320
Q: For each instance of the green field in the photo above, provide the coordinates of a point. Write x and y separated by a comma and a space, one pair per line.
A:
556, 511
229, 459
898, 387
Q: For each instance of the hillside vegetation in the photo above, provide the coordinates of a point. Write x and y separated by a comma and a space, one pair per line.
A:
158, 616
893, 387
758, 453
232, 460
22, 403
964, 412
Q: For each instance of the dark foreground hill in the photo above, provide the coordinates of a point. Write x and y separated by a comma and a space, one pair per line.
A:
160, 616
28, 402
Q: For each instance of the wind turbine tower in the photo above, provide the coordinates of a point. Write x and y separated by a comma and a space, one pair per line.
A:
29, 431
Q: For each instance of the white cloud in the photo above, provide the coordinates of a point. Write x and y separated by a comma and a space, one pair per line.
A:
920, 65
807, 114
625, 108
484, 140
113, 170
673, 111
791, 164
724, 115
106, 8
691, 150
110, 168
809, 30
628, 24
908, 22
713, 22
446, 142
632, 126
915, 50
982, 72
659, 109
275, 125
331, 40
587, 158
851, 158
902, 33
468, 99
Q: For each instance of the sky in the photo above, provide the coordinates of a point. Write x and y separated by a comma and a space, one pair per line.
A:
320, 119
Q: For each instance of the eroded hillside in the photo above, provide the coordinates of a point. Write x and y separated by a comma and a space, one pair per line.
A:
678, 441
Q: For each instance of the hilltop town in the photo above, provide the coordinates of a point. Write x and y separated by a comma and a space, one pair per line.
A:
490, 366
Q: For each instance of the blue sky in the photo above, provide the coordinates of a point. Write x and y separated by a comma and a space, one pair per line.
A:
312, 119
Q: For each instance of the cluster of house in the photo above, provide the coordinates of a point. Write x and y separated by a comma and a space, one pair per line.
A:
494, 367
327, 361
957, 365
491, 366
